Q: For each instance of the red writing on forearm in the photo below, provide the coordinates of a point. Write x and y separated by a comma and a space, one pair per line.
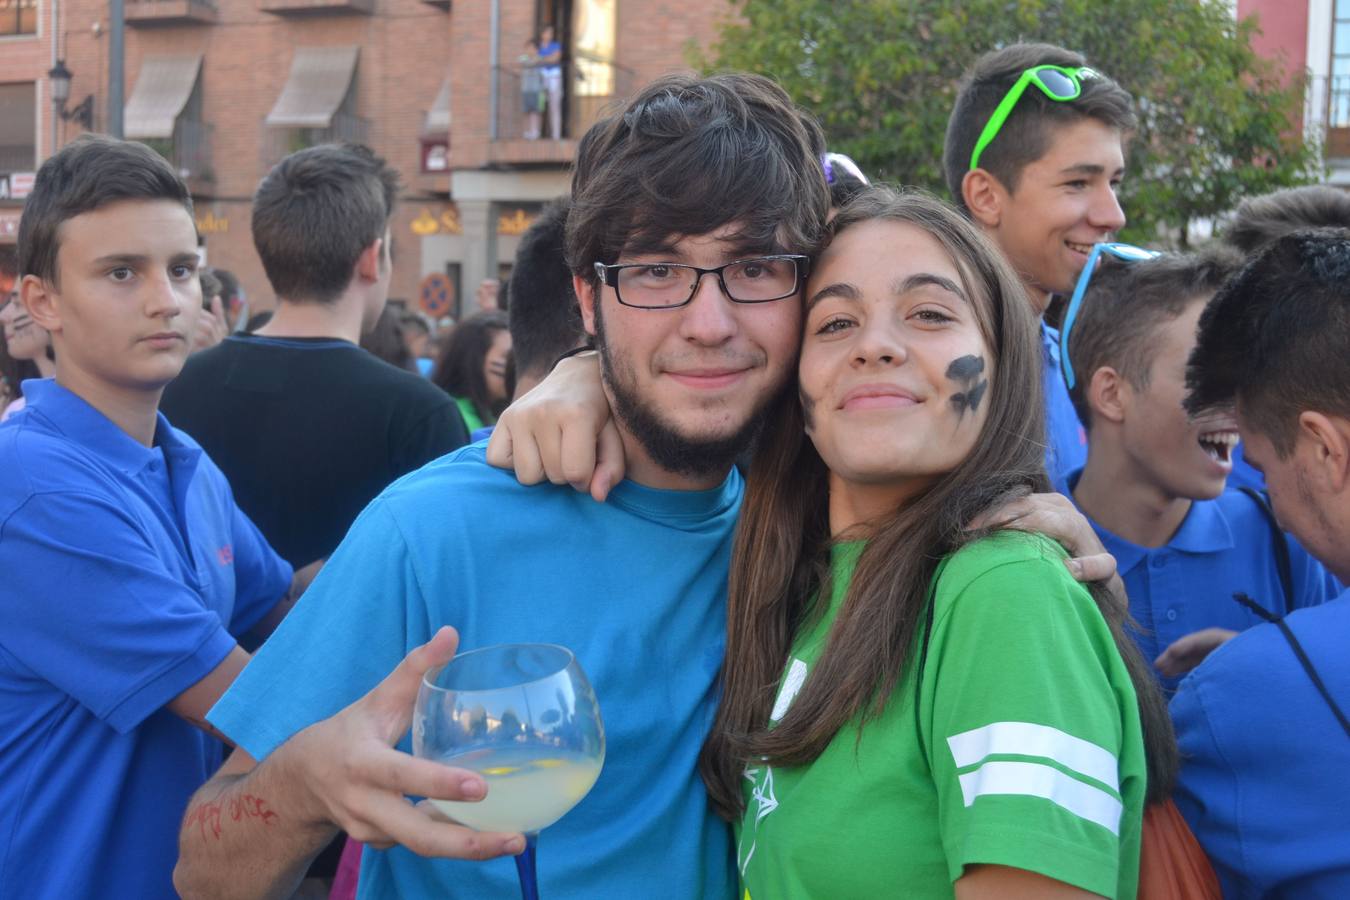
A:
207, 816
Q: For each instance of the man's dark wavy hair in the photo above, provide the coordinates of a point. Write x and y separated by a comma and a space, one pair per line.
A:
690, 155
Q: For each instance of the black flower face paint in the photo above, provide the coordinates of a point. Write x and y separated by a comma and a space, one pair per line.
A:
966, 371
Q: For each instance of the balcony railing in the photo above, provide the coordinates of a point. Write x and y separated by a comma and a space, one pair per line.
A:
280, 142
588, 86
189, 152
17, 158
153, 13
317, 7
1327, 114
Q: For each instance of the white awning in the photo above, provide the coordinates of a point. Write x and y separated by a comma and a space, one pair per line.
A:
162, 90
319, 80
437, 121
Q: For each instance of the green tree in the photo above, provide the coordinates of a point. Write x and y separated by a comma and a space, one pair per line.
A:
1217, 122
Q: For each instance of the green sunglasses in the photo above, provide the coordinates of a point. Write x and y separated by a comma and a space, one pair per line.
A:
1055, 82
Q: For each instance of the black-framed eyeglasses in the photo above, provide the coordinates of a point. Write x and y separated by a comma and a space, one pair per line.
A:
671, 285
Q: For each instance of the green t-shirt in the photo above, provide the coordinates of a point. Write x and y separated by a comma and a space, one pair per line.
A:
1025, 751
472, 421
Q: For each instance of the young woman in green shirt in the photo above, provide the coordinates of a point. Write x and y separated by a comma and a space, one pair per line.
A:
910, 708
472, 368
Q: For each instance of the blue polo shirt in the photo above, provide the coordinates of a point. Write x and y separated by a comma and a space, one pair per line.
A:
125, 571
1223, 546
1263, 778
1067, 448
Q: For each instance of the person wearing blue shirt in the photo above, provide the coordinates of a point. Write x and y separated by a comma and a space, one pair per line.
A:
636, 587
1262, 724
1153, 485
1067, 447
129, 572
550, 70
1042, 186
1257, 222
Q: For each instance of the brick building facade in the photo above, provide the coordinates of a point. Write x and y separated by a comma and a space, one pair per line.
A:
225, 88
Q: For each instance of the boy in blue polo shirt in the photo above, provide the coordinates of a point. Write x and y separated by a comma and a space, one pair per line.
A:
1041, 182
1153, 485
128, 571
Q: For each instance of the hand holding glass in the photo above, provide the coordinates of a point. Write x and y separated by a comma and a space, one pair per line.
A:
525, 718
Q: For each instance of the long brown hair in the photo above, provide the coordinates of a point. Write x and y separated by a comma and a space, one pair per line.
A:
780, 557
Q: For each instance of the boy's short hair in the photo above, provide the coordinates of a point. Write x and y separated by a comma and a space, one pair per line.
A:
315, 213
690, 155
1258, 221
414, 321
1025, 136
211, 286
1126, 305
544, 320
229, 283
1274, 340
87, 174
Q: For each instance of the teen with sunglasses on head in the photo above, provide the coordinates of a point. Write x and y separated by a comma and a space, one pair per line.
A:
1034, 156
1153, 484
910, 708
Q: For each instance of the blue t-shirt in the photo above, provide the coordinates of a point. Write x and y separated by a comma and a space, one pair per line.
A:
1263, 779
1067, 449
124, 570
553, 69
1223, 546
635, 587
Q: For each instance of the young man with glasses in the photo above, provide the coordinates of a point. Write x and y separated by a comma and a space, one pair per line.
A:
1034, 155
1154, 482
690, 288
1262, 724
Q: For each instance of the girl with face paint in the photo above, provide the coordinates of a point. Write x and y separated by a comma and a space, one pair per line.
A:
911, 708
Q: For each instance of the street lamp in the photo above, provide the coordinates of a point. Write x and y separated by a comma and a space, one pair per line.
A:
84, 112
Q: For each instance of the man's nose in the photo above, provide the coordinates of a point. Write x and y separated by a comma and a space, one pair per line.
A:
710, 317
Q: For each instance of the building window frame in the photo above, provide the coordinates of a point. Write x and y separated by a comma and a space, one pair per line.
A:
16, 15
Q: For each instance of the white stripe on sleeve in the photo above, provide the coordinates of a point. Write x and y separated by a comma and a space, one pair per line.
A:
796, 677
1026, 739
1036, 780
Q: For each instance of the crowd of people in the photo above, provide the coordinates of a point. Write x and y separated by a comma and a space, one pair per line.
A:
914, 547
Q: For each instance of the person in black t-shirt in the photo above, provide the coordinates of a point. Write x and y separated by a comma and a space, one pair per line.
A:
307, 426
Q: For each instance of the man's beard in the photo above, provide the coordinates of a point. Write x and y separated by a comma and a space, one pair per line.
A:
675, 452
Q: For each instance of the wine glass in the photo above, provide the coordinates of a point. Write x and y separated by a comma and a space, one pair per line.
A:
525, 718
